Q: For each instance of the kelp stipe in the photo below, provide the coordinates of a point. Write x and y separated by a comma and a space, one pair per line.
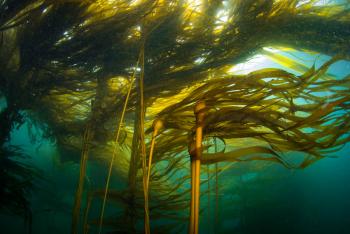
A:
86, 226
88, 134
157, 126
195, 151
114, 154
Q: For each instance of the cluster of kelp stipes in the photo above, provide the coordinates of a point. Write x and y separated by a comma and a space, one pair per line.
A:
273, 112
96, 75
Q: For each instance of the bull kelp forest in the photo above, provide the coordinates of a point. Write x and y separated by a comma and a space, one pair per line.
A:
174, 116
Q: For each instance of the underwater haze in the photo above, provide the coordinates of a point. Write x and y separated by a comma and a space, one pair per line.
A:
179, 116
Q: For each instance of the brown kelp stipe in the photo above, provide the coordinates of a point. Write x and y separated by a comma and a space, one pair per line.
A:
142, 138
86, 226
208, 206
157, 126
195, 153
83, 162
216, 222
116, 143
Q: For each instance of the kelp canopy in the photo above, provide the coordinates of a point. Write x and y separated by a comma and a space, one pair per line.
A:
95, 74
